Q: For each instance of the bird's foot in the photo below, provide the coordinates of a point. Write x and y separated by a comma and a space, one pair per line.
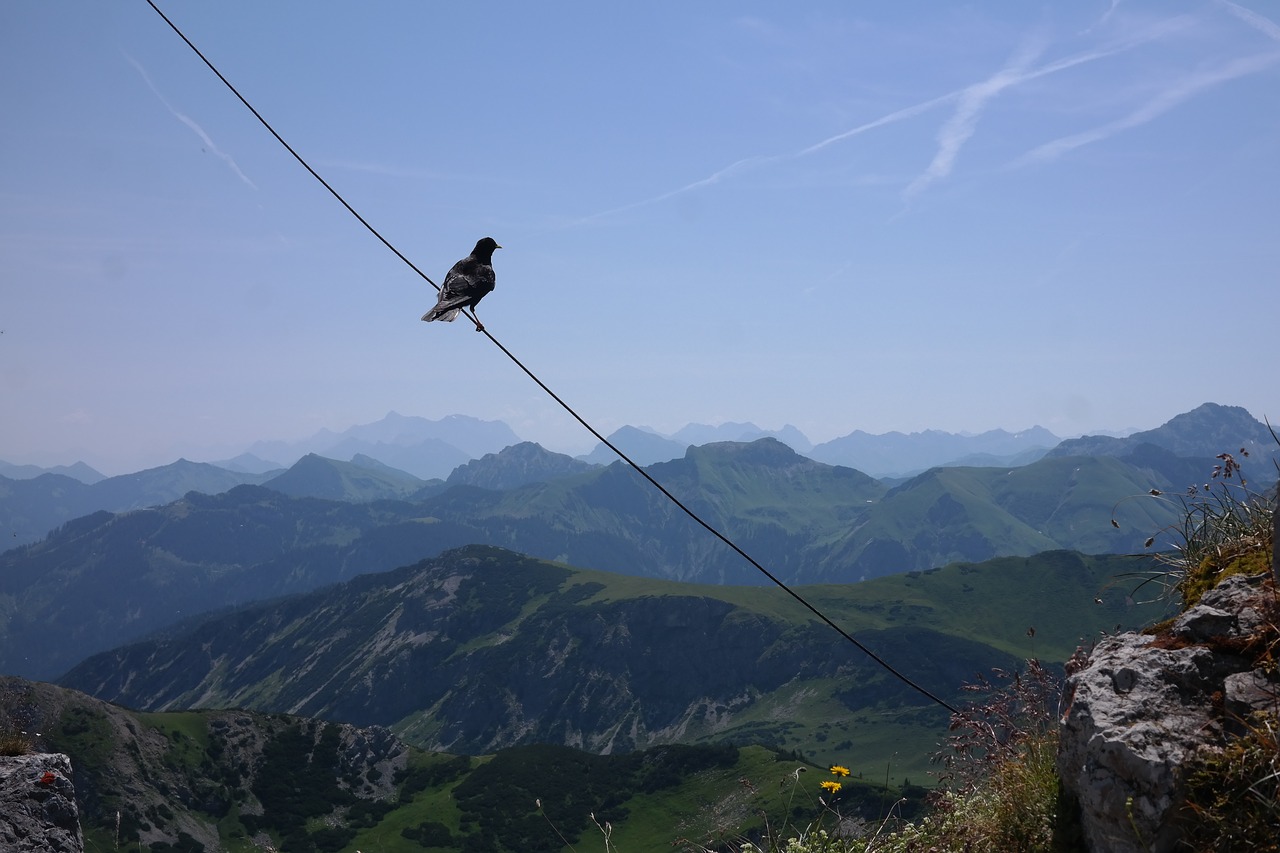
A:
479, 327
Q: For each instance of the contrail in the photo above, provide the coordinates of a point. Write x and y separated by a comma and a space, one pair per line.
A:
1162, 103
738, 166
1263, 25
1156, 32
190, 122
964, 121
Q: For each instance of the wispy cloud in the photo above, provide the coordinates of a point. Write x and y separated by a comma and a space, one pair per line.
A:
969, 106
715, 178
1264, 25
1106, 16
891, 118
191, 123
1166, 100
971, 100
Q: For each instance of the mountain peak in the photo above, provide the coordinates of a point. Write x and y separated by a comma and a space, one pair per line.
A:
1205, 431
517, 465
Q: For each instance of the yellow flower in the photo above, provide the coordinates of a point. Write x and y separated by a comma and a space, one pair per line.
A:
837, 770
830, 786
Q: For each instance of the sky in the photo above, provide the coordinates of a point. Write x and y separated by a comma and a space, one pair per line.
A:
877, 216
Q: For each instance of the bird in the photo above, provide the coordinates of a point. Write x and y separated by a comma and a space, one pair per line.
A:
467, 282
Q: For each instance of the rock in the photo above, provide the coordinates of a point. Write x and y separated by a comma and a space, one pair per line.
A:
38, 811
1142, 705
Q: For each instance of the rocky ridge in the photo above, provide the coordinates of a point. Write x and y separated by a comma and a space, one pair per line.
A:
1144, 707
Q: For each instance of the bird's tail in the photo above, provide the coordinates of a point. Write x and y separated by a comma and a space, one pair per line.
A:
436, 314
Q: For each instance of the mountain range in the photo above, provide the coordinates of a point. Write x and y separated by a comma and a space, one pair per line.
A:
35, 503
110, 578
454, 610
106, 579
483, 649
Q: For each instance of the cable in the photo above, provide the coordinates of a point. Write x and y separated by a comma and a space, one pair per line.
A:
643, 473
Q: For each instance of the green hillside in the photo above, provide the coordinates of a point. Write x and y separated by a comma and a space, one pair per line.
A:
236, 781
482, 649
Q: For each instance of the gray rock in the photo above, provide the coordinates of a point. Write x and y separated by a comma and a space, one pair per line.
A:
38, 811
1140, 708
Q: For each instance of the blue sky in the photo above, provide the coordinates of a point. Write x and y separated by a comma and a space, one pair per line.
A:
878, 216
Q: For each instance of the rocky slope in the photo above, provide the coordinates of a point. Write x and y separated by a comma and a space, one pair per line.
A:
38, 812
1146, 707
169, 779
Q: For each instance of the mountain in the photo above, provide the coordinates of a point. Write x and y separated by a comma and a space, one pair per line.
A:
775, 504
641, 446
895, 454
697, 434
482, 649
247, 463
105, 579
949, 514
517, 465
361, 479
108, 579
240, 780
424, 448
77, 471
1205, 432
645, 446
35, 506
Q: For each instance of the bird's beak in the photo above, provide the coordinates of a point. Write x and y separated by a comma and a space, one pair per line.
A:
496, 246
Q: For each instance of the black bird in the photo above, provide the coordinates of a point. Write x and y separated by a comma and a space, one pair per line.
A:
470, 280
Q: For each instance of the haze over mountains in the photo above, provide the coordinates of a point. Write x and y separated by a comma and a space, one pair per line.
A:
193, 537
432, 449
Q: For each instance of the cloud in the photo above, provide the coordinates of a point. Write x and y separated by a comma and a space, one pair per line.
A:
1163, 102
1266, 26
1106, 16
208, 143
742, 165
971, 101
969, 107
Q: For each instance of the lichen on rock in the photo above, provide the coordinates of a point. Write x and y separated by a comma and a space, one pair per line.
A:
38, 812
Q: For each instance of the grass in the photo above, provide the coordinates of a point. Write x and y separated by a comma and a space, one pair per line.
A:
1222, 528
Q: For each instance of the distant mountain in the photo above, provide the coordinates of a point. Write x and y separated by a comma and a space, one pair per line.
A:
697, 434
777, 505
361, 479
482, 649
105, 579
200, 553
641, 446
646, 446
949, 514
247, 463
1203, 432
895, 454
34, 507
78, 471
803, 520
517, 465
424, 448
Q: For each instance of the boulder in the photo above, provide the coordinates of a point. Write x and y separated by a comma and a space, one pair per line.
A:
38, 811
1142, 705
